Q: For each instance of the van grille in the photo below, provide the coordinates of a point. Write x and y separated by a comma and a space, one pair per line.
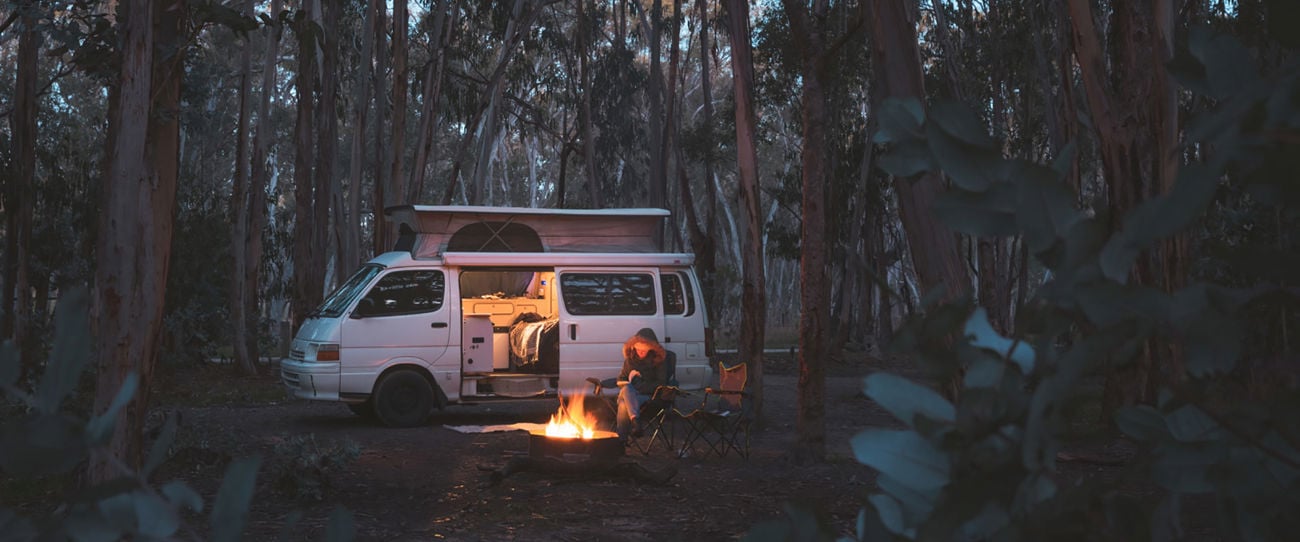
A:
296, 354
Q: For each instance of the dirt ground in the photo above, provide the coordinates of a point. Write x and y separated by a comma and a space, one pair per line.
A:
425, 483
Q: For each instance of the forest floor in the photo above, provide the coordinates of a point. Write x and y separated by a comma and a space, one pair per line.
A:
427, 483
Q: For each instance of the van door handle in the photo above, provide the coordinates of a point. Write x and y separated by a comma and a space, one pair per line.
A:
573, 332
438, 325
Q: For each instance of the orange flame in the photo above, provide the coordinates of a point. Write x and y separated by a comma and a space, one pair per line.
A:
570, 421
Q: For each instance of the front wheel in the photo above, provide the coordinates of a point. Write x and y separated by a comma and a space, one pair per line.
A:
403, 398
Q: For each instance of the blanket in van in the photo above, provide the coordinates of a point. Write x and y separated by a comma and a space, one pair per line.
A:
534, 342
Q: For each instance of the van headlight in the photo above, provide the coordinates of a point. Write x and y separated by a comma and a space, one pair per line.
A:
327, 352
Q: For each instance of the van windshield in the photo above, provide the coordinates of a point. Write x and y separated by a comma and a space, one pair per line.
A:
338, 301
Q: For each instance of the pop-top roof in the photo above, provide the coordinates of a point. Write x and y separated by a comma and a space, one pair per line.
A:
430, 230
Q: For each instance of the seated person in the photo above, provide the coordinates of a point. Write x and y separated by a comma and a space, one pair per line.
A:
644, 369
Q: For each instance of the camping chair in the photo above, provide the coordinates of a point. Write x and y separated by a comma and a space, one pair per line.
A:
654, 415
723, 418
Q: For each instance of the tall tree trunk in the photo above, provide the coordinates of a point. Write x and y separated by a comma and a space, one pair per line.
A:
588, 126
702, 232
136, 221
259, 178
328, 183
655, 125
896, 57
1136, 131
516, 29
397, 144
306, 272
239, 208
349, 229
753, 296
432, 93
809, 33
20, 194
382, 188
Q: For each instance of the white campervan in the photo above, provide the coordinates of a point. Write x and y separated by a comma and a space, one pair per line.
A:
482, 304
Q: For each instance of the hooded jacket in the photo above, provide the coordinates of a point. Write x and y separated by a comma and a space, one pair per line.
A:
653, 369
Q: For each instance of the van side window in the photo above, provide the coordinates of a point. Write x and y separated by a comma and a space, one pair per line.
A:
688, 294
674, 302
405, 292
608, 293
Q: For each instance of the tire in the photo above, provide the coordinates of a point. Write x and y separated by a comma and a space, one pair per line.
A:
365, 410
403, 398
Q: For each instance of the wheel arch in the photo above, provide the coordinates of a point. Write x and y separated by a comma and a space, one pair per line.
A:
439, 397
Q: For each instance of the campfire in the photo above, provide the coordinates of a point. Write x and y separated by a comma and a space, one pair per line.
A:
572, 431
571, 421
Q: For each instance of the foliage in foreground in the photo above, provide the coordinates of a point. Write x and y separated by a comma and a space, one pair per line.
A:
984, 467
47, 441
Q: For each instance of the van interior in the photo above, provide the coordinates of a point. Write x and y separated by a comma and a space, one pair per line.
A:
511, 332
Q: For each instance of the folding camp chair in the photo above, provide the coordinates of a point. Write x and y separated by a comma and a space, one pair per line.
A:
722, 420
655, 415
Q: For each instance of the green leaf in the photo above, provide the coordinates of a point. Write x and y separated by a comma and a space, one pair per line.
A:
230, 509
970, 168
15, 527
905, 455
907, 158
156, 518
991, 519
985, 371
158, 452
119, 511
906, 399
891, 515
1117, 258
988, 213
342, 527
1184, 468
962, 123
916, 505
1229, 66
1143, 423
1045, 206
100, 428
982, 335
1107, 304
71, 350
87, 525
182, 495
900, 120
1190, 424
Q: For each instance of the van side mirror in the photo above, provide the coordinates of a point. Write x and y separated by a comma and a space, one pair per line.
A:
365, 308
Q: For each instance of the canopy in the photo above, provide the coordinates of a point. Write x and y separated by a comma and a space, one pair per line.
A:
430, 230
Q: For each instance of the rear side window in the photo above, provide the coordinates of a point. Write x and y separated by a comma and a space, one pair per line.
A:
674, 297
405, 292
608, 293
688, 294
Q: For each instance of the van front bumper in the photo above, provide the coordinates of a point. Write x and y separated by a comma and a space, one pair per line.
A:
310, 380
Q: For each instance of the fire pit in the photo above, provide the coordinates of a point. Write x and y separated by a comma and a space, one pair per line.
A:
602, 445
572, 431
570, 445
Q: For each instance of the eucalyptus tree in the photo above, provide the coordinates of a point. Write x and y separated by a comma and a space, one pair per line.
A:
134, 239
19, 191
896, 57
308, 243
818, 41
753, 300
1134, 112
